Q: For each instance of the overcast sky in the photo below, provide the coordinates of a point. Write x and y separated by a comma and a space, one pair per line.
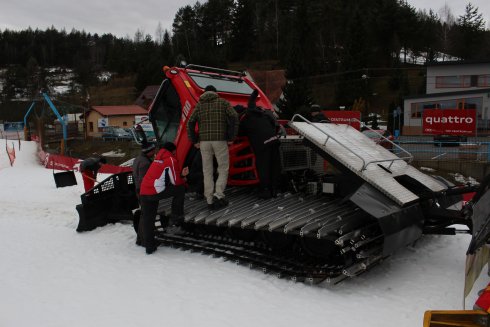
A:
123, 17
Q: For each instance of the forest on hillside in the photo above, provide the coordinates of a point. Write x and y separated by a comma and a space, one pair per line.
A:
341, 39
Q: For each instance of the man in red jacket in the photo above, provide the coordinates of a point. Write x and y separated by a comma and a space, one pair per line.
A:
163, 179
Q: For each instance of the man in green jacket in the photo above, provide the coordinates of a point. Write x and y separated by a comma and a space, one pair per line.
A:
215, 118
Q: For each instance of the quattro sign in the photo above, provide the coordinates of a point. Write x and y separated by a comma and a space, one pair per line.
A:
449, 121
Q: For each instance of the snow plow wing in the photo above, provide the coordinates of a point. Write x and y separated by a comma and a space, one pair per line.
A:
477, 257
110, 201
478, 252
462, 318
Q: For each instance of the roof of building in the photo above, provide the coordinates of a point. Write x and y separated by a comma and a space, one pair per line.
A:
120, 110
147, 96
457, 62
444, 94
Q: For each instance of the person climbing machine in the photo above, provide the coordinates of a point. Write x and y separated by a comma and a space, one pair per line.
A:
263, 132
89, 169
213, 116
164, 179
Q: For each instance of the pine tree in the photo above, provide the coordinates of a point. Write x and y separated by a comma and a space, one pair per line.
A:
184, 31
296, 93
243, 35
470, 36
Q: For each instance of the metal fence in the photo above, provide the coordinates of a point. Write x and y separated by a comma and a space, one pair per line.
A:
471, 157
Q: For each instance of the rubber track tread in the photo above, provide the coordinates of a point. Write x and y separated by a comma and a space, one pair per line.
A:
253, 257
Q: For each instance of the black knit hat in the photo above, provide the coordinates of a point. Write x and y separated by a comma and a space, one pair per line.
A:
315, 108
169, 146
210, 88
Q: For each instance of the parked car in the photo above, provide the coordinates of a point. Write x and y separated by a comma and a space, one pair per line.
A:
449, 140
381, 137
116, 133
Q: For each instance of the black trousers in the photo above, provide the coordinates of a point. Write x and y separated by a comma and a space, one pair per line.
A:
268, 164
149, 207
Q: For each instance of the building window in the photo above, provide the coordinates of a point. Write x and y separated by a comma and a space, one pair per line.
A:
91, 126
453, 81
483, 80
448, 104
474, 80
471, 103
125, 123
416, 110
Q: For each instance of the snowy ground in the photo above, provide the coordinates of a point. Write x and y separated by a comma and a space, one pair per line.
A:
50, 275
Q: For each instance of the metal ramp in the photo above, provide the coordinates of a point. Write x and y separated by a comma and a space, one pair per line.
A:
370, 161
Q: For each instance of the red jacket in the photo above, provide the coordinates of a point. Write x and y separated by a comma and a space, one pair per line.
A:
164, 170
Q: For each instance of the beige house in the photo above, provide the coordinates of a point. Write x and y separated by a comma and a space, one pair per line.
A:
121, 116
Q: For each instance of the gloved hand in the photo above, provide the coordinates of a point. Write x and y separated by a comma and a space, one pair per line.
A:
281, 132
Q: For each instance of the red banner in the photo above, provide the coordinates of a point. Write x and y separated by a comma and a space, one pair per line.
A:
344, 117
449, 121
59, 162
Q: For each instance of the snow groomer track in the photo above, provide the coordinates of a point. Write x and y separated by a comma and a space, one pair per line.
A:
378, 204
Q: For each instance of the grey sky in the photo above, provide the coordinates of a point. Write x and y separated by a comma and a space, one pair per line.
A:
123, 18
119, 17
457, 6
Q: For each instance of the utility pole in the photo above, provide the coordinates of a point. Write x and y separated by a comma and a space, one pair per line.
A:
85, 123
277, 33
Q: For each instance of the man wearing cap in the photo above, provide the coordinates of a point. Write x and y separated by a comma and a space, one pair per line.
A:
89, 169
214, 116
263, 131
317, 115
141, 164
164, 179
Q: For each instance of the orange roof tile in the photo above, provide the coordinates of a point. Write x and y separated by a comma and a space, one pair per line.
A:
120, 110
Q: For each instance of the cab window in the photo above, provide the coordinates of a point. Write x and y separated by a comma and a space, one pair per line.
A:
221, 83
165, 113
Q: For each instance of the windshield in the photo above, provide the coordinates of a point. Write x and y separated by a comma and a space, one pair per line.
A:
120, 131
221, 83
165, 114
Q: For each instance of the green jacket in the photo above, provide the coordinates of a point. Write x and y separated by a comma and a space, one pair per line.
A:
213, 115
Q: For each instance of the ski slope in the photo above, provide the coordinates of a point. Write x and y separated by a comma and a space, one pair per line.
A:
50, 275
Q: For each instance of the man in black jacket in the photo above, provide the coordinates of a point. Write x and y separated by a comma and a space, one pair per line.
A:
140, 166
262, 128
317, 116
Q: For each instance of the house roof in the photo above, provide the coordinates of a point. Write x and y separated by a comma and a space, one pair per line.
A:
444, 94
457, 62
120, 110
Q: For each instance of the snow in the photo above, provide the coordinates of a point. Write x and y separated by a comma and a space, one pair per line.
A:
464, 180
53, 276
116, 154
104, 76
421, 58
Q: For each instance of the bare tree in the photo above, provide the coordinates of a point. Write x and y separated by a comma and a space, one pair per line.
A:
447, 21
159, 34
138, 36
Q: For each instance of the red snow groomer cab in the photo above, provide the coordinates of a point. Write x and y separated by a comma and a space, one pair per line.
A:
175, 102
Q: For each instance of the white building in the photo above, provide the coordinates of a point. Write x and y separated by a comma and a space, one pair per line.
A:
452, 85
